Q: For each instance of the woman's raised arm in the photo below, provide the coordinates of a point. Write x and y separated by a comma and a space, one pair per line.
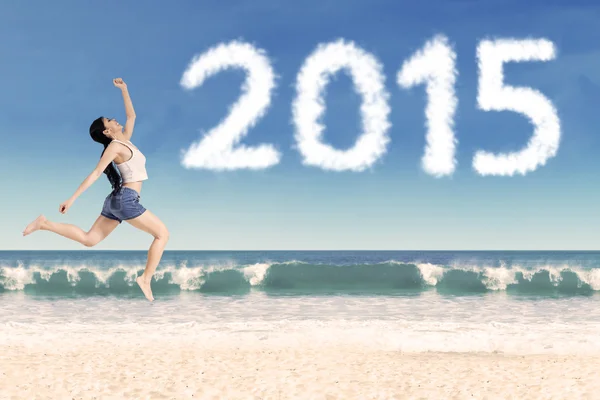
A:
129, 111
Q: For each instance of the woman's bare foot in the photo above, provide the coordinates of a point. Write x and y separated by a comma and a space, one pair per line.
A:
35, 225
145, 286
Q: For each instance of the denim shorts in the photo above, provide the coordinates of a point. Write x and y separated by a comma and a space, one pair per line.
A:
122, 205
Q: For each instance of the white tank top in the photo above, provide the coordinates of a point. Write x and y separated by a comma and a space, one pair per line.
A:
134, 169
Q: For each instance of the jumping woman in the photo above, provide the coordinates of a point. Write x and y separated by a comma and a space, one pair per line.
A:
123, 203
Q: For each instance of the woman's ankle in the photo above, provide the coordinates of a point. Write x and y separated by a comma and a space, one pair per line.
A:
44, 225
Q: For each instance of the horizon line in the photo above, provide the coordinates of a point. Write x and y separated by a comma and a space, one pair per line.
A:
315, 250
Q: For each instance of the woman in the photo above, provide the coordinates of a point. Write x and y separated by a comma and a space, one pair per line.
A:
123, 203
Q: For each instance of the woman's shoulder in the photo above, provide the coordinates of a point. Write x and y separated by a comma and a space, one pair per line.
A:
118, 142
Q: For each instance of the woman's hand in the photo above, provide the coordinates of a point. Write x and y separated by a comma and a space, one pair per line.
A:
118, 82
65, 206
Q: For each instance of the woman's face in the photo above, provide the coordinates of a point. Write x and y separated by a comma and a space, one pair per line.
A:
111, 126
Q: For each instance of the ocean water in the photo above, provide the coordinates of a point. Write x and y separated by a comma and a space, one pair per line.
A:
507, 302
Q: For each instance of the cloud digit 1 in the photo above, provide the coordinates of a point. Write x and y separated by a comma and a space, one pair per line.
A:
308, 107
435, 65
215, 150
494, 95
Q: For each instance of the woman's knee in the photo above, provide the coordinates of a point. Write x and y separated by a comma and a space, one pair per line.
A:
162, 234
90, 240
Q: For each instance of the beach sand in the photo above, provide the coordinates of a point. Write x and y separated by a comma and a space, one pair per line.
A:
95, 369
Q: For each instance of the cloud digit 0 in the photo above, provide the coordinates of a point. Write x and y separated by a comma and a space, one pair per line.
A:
309, 106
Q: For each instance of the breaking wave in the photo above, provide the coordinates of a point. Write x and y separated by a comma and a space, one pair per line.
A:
303, 278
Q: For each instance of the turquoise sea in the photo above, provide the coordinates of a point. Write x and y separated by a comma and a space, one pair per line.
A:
510, 302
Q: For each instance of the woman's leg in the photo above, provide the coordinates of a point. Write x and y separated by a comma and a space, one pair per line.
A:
98, 232
148, 222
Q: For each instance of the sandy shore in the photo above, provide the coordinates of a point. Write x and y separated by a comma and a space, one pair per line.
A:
182, 370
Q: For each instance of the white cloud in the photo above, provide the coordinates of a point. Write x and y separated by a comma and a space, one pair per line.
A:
308, 107
216, 149
494, 95
435, 65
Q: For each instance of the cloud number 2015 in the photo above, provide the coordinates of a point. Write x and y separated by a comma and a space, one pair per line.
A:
433, 66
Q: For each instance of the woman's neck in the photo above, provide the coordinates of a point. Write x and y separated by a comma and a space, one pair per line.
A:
120, 136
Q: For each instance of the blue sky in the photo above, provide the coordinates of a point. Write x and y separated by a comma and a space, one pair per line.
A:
58, 60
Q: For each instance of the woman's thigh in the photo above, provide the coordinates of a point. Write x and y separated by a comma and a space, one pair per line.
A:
148, 222
101, 229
